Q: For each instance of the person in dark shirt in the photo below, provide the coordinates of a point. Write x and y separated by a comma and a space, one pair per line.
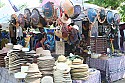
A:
41, 40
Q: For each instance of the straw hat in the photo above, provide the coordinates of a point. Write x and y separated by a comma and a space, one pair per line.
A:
77, 61
68, 7
63, 66
61, 58
65, 19
39, 50
17, 47
32, 80
33, 68
85, 66
47, 79
46, 52
9, 45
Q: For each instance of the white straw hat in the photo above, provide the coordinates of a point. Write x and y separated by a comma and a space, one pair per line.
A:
33, 68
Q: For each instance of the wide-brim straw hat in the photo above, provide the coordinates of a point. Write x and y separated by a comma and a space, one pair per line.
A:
85, 66
77, 61
46, 53
9, 45
32, 80
17, 47
61, 58
39, 50
68, 7
66, 20
33, 68
47, 79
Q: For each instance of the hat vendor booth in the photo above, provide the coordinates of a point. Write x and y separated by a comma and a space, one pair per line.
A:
64, 41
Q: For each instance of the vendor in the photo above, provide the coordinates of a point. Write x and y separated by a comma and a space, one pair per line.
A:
41, 40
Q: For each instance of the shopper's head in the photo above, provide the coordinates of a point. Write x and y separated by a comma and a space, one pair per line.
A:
42, 37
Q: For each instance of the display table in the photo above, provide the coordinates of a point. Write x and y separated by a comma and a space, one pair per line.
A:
93, 78
111, 69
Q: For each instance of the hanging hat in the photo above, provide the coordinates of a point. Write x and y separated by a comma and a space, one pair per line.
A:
110, 17
77, 11
92, 15
116, 19
27, 13
67, 7
66, 19
21, 20
101, 15
35, 16
48, 10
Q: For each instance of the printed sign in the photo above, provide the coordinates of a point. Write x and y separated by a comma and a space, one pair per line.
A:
60, 47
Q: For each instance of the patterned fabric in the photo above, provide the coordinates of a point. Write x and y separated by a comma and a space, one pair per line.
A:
94, 78
112, 68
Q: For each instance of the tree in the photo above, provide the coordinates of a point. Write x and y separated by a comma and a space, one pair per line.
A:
1, 4
113, 4
23, 6
122, 12
40, 1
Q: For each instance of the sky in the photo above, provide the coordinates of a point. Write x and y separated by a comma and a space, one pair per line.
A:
30, 3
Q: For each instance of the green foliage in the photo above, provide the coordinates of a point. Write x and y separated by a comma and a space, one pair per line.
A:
122, 12
1, 4
23, 6
113, 4
40, 1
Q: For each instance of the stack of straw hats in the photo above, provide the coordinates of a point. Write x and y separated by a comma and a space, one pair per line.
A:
62, 71
33, 74
14, 63
79, 71
6, 59
46, 64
